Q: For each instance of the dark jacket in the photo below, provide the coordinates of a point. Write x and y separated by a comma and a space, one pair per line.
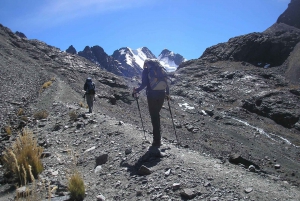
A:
85, 87
146, 83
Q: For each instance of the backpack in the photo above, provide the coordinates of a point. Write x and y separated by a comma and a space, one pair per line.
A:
158, 77
90, 88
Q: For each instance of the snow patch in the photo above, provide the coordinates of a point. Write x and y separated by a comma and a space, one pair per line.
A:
186, 106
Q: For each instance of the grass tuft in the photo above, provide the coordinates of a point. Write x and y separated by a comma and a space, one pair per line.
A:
20, 112
81, 104
8, 130
76, 187
43, 114
73, 115
46, 85
23, 159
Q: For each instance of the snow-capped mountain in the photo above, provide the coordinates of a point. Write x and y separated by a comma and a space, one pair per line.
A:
170, 60
132, 61
126, 61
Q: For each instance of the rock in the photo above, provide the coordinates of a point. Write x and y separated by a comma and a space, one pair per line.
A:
112, 100
139, 193
128, 151
98, 169
248, 190
238, 159
251, 168
102, 159
90, 149
100, 197
176, 186
207, 184
277, 166
188, 193
144, 171
167, 173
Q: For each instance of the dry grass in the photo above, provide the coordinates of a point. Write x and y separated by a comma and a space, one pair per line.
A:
47, 84
23, 159
24, 118
43, 114
73, 115
8, 130
81, 104
76, 186
20, 112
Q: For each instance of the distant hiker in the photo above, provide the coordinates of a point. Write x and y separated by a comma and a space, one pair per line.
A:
89, 88
154, 77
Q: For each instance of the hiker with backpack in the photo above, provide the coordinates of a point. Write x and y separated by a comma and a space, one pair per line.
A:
89, 88
154, 77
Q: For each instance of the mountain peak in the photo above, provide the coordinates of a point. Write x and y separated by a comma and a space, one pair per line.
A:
170, 60
291, 16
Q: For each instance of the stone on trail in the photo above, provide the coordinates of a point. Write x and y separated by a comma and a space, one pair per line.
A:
102, 159
144, 170
128, 151
176, 186
98, 169
188, 193
248, 190
277, 166
167, 173
251, 168
100, 197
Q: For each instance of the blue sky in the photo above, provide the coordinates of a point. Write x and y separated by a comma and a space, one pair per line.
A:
186, 27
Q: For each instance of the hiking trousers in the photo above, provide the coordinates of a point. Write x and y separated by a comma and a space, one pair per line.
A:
155, 103
90, 101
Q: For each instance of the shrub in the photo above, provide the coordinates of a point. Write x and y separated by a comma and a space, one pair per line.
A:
23, 159
73, 115
8, 130
76, 186
43, 114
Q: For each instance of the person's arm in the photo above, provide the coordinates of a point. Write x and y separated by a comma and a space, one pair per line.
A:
144, 81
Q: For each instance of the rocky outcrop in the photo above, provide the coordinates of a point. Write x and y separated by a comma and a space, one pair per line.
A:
282, 107
97, 55
71, 50
291, 16
276, 46
20, 34
267, 49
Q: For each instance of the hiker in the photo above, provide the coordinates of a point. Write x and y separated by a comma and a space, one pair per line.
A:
155, 94
89, 88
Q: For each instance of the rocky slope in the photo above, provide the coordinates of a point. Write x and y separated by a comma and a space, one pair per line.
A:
237, 125
267, 49
213, 125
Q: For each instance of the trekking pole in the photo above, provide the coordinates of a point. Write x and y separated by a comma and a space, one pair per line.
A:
173, 122
136, 98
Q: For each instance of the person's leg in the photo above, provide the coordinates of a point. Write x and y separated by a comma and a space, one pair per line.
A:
89, 101
155, 105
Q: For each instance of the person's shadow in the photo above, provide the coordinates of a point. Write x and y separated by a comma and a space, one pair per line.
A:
149, 159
